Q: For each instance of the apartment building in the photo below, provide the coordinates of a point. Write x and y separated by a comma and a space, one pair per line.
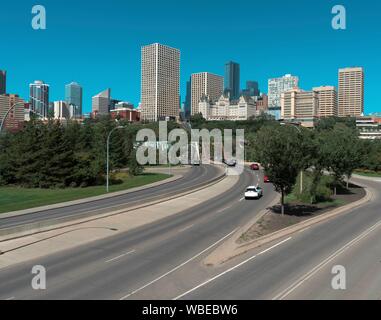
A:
351, 92
327, 96
160, 82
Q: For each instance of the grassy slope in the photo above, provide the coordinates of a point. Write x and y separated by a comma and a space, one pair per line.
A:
13, 198
368, 174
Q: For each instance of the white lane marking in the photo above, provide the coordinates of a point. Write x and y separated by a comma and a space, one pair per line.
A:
224, 209
303, 230
179, 266
321, 265
121, 256
186, 228
231, 269
242, 199
11, 298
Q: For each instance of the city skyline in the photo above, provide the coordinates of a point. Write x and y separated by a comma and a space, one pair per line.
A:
121, 66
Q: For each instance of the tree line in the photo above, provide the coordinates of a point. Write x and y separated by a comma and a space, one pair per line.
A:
56, 155
285, 151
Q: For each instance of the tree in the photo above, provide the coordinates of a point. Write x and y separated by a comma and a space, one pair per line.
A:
341, 149
281, 151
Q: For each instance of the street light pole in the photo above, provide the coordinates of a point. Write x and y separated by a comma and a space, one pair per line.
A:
8, 112
108, 157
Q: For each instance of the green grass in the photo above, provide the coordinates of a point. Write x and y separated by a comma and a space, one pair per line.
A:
372, 174
13, 198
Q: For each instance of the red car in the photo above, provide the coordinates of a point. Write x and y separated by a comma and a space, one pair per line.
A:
266, 179
254, 167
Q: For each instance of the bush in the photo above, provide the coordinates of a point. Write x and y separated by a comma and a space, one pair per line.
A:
312, 194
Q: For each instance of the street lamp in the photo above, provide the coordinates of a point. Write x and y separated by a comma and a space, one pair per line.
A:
108, 156
301, 172
8, 112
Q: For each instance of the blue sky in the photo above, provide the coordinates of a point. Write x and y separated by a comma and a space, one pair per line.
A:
97, 43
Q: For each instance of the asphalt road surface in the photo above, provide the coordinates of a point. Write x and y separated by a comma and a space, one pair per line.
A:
304, 266
133, 265
194, 178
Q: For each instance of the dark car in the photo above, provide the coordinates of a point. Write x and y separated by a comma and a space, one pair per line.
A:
254, 167
230, 162
266, 179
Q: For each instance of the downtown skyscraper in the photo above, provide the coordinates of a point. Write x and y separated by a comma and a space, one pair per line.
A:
160, 82
3, 82
39, 98
232, 79
205, 84
73, 98
351, 92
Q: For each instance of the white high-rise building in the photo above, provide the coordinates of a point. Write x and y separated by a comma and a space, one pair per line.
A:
160, 82
277, 86
205, 84
351, 92
61, 110
101, 103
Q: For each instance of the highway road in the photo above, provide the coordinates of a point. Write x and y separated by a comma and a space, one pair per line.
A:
134, 264
197, 176
302, 266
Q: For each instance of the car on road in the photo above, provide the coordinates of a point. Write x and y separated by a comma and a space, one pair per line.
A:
196, 162
230, 162
253, 192
266, 179
254, 167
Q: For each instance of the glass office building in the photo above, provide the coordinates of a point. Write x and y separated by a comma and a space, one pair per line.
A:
252, 89
73, 98
39, 99
232, 79
3, 82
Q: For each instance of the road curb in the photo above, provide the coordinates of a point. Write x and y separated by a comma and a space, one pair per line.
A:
89, 199
236, 249
64, 222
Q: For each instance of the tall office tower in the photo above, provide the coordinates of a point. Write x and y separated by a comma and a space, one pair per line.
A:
205, 84
160, 82
101, 103
3, 82
327, 96
277, 86
73, 98
39, 98
232, 79
351, 92
188, 100
15, 118
301, 106
252, 89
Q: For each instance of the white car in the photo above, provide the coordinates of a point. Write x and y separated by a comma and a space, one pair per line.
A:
253, 192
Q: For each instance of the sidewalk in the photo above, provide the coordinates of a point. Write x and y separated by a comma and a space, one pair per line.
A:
86, 232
